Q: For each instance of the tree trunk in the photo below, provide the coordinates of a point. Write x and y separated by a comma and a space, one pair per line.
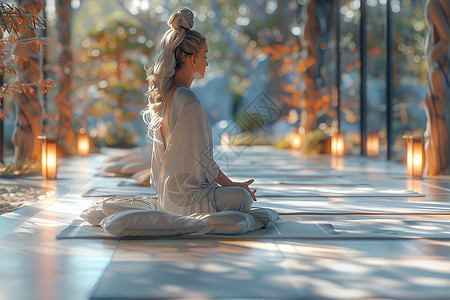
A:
2, 118
437, 101
233, 46
62, 99
28, 106
318, 29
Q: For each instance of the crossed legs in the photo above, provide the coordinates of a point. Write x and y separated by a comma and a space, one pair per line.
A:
234, 198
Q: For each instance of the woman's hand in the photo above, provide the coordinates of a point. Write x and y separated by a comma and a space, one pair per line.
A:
245, 185
223, 180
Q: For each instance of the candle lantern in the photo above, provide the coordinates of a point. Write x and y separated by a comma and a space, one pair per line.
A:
337, 145
224, 139
372, 145
49, 157
83, 142
414, 156
296, 140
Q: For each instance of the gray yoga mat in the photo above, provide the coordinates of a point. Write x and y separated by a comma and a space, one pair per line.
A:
296, 228
271, 191
80, 229
302, 181
274, 173
129, 183
351, 205
288, 181
330, 191
285, 167
364, 191
381, 226
120, 190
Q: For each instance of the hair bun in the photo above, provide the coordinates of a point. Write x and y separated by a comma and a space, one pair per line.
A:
182, 18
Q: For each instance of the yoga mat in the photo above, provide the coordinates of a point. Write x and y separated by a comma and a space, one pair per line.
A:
303, 181
282, 191
129, 183
325, 191
407, 218
285, 167
122, 190
271, 191
80, 229
274, 174
381, 226
110, 175
295, 228
359, 191
363, 205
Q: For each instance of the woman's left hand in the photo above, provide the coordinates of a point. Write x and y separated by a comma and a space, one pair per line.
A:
223, 180
245, 185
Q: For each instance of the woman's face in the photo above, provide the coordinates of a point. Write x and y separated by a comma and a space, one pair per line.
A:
201, 62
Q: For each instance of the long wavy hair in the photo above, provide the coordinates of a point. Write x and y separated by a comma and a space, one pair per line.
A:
177, 43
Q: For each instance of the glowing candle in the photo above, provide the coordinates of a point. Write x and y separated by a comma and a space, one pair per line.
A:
296, 140
83, 143
414, 156
43, 155
337, 145
49, 157
224, 139
372, 145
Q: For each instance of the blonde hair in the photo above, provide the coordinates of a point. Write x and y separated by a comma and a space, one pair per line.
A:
177, 43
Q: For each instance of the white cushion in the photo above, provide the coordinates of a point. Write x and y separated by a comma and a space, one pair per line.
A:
134, 167
94, 214
113, 158
143, 158
150, 223
266, 215
143, 177
228, 222
130, 162
114, 204
113, 167
135, 157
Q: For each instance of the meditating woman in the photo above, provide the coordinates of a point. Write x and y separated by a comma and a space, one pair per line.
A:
184, 173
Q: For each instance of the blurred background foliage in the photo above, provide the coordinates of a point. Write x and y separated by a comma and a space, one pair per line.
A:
254, 46
110, 79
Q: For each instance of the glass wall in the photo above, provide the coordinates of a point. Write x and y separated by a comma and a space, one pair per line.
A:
409, 72
350, 65
255, 47
376, 78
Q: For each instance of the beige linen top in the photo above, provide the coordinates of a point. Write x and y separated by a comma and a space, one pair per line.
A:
183, 171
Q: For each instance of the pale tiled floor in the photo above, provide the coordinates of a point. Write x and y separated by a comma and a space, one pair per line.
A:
34, 265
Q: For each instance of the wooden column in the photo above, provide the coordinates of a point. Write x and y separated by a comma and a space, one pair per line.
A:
28, 106
2, 129
389, 80
363, 74
437, 101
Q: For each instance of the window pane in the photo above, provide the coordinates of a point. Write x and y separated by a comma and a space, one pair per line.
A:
376, 78
409, 72
350, 16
